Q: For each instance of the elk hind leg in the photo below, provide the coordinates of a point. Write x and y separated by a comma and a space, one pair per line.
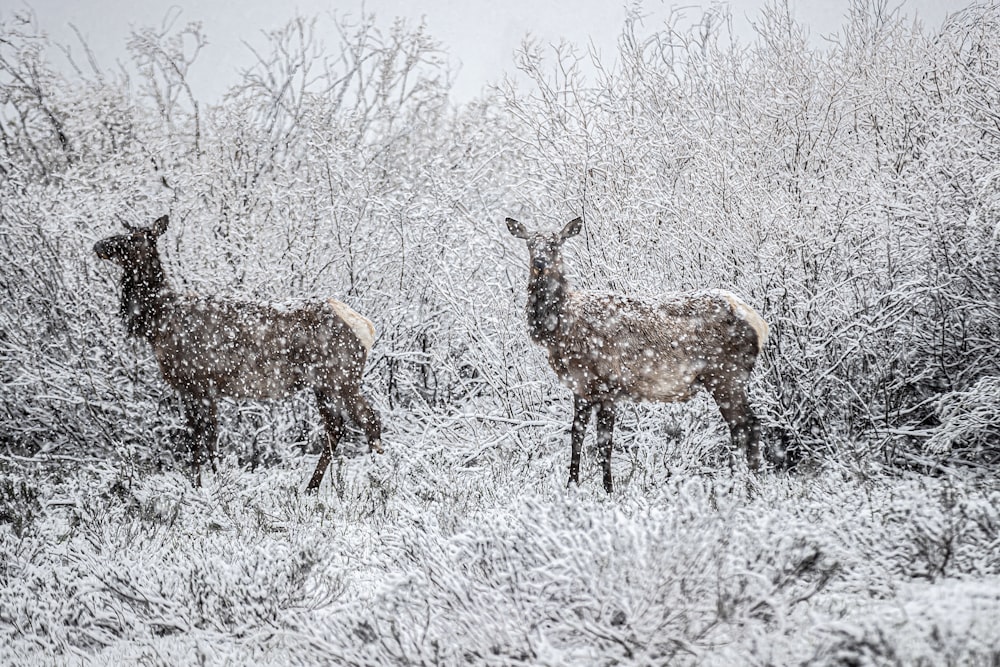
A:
333, 426
201, 415
605, 433
365, 416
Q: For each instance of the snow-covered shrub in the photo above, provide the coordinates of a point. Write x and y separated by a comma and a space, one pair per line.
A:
969, 422
460, 545
579, 581
845, 189
19, 503
849, 205
949, 536
276, 197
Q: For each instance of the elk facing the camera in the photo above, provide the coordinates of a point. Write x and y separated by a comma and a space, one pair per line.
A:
208, 348
608, 347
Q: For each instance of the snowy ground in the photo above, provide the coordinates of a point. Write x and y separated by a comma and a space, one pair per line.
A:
462, 546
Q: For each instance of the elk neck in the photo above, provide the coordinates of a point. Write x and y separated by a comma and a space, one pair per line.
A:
144, 287
548, 291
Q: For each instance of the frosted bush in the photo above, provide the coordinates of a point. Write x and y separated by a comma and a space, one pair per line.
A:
970, 421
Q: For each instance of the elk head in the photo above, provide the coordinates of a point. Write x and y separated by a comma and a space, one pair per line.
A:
134, 249
545, 248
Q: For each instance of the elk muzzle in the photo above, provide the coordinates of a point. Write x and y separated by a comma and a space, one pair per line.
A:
103, 249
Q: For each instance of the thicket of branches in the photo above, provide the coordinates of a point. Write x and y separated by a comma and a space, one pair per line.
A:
847, 188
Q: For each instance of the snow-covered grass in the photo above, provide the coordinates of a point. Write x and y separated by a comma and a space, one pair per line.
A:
445, 551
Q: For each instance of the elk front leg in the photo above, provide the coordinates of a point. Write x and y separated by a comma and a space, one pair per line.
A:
581, 415
605, 431
333, 426
211, 429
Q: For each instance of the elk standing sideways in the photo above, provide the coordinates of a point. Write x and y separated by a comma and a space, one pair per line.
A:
210, 347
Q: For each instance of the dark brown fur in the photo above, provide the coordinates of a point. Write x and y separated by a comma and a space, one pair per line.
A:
208, 348
608, 347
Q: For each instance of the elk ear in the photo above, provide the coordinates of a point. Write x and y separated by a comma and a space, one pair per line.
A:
571, 229
517, 229
160, 225
125, 224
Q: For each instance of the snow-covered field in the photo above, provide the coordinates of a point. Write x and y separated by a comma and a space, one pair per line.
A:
847, 190
441, 552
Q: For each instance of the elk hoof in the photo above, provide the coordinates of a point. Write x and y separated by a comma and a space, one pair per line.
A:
376, 447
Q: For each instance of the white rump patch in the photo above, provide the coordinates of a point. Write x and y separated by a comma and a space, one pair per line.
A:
359, 324
746, 313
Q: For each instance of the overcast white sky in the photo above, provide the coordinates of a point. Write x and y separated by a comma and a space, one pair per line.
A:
480, 35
